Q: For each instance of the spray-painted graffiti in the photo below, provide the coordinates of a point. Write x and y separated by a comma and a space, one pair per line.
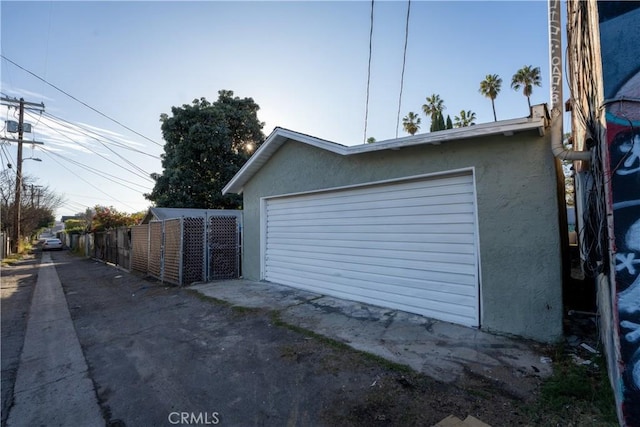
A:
621, 78
555, 32
625, 185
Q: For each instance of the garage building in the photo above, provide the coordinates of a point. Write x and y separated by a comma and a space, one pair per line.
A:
459, 225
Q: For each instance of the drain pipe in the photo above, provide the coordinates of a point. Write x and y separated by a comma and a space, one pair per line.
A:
555, 67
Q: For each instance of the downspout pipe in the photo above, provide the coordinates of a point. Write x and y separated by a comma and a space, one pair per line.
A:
557, 105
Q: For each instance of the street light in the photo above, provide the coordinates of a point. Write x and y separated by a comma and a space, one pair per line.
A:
35, 159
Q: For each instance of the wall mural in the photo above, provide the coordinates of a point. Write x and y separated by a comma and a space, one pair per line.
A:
621, 78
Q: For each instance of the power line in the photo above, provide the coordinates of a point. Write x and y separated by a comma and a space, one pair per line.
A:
366, 110
107, 176
133, 165
87, 182
100, 155
91, 134
81, 102
404, 61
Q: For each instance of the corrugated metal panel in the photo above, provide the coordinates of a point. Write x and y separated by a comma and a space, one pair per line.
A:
409, 245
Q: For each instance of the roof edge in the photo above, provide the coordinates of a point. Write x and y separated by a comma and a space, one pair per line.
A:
279, 136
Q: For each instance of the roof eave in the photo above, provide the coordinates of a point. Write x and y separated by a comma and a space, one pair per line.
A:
280, 135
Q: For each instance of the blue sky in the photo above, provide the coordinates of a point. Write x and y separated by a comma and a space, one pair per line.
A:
304, 63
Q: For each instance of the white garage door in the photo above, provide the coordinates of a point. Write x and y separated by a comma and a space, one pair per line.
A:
409, 245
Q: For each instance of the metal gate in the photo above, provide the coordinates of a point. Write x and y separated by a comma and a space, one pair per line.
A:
187, 250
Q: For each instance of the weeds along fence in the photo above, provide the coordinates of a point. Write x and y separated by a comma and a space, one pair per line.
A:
189, 249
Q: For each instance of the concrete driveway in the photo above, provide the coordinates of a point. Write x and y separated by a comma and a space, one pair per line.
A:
444, 351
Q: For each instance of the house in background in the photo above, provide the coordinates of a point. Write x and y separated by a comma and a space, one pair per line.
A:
462, 225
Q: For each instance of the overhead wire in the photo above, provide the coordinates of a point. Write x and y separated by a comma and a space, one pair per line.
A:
404, 61
144, 175
101, 174
81, 102
366, 109
8, 157
92, 134
129, 162
87, 182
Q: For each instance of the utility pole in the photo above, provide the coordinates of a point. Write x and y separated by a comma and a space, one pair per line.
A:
16, 218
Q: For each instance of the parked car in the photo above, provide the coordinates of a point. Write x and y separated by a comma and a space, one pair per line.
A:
52, 244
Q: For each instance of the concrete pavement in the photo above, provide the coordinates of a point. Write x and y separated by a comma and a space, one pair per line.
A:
52, 386
442, 350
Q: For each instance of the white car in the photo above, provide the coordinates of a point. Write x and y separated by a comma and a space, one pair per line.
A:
52, 244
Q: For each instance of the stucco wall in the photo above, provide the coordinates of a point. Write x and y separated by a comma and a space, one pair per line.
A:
517, 213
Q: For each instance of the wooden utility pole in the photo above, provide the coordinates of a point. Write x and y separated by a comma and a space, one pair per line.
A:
17, 202
15, 247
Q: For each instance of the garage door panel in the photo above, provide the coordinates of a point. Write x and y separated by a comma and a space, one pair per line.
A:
303, 238
336, 252
388, 228
442, 248
381, 260
398, 292
362, 202
452, 205
372, 217
391, 210
371, 279
409, 245
342, 269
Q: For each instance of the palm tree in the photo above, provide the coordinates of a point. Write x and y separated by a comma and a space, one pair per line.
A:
525, 78
466, 118
433, 107
411, 123
490, 87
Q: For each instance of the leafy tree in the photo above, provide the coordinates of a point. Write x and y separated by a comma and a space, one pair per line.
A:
106, 218
525, 78
433, 107
37, 204
449, 122
411, 123
206, 144
441, 125
466, 118
490, 87
371, 140
75, 225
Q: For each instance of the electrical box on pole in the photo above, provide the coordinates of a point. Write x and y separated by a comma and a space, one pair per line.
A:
20, 105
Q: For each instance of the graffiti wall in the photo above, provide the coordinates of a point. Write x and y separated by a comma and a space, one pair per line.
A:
620, 47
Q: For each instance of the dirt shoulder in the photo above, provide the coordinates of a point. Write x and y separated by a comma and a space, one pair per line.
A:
17, 282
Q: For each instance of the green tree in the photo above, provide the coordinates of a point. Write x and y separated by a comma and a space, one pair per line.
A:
466, 118
490, 87
433, 107
449, 122
106, 218
371, 140
206, 144
441, 124
75, 226
525, 78
411, 123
